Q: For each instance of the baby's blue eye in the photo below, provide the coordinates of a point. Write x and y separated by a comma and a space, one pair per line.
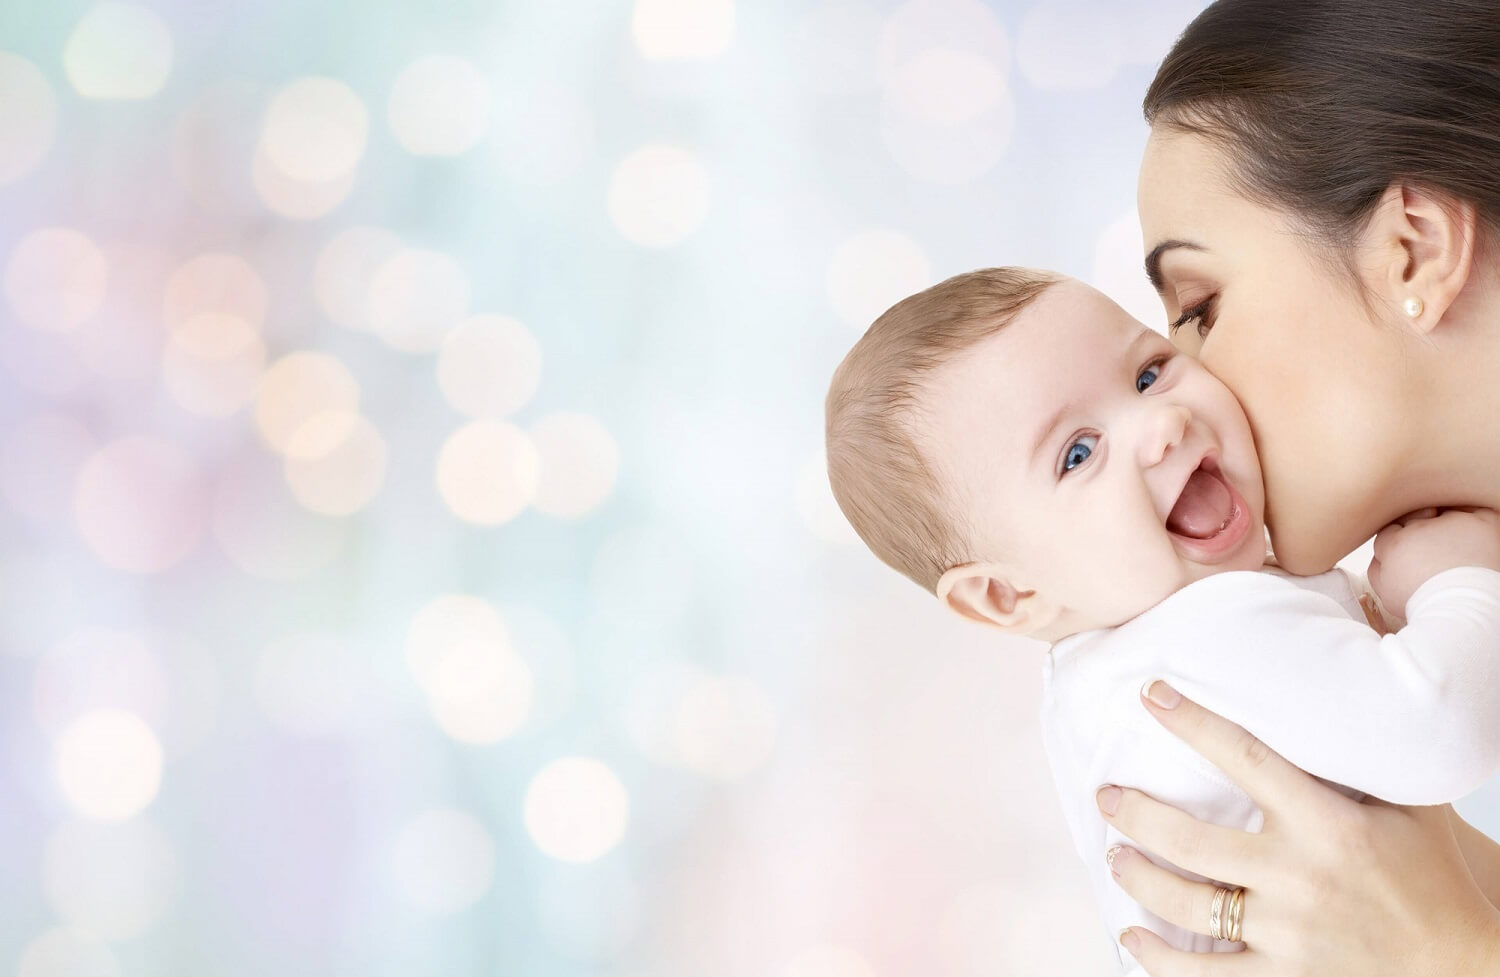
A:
1147, 378
1078, 452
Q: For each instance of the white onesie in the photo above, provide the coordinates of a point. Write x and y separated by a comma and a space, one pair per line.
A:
1411, 717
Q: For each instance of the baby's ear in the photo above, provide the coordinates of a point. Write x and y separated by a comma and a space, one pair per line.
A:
983, 592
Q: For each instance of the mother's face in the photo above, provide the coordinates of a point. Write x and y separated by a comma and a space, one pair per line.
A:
1283, 328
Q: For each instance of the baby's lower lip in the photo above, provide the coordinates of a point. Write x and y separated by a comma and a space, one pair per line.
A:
1214, 548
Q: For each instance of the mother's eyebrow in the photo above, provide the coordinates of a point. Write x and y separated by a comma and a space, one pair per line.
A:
1153, 260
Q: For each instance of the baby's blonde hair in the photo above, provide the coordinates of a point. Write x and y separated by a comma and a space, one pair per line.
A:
884, 484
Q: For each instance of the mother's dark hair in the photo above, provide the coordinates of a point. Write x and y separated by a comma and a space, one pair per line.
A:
1323, 104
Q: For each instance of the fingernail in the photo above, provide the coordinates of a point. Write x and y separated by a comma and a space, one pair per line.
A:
1110, 857
1108, 799
1130, 941
1162, 694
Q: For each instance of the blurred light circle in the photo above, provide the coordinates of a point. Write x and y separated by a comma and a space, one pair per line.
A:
576, 809
28, 117
444, 861
66, 952
542, 135
118, 50
947, 25
487, 472
837, 44
480, 692
725, 727
946, 87
114, 880
215, 282
345, 270
297, 199
109, 764
315, 130
827, 960
589, 914
816, 505
416, 298
578, 464
297, 387
439, 106
39, 461
943, 153
1066, 45
1117, 271
262, 528
138, 504
212, 364
443, 626
682, 30
335, 463
658, 196
93, 669
311, 683
489, 366
873, 270
55, 279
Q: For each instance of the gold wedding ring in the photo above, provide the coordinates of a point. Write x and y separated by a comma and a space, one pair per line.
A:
1225, 914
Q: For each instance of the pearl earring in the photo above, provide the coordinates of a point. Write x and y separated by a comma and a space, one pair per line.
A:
1413, 307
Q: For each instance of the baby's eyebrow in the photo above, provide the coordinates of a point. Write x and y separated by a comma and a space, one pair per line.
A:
1153, 260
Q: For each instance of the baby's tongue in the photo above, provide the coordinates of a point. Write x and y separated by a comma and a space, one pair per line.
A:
1204, 506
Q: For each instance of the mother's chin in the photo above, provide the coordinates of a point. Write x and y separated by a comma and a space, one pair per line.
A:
1307, 542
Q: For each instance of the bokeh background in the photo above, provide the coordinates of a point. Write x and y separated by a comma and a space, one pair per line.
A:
417, 557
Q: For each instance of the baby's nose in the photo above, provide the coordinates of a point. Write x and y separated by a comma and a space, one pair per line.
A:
1165, 428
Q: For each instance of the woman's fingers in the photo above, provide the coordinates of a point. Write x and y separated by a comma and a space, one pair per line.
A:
1273, 783
1205, 849
1176, 899
1163, 960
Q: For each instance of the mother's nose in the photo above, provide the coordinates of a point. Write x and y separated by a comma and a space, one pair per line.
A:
1162, 429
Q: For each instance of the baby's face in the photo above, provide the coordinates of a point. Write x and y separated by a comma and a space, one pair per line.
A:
1097, 465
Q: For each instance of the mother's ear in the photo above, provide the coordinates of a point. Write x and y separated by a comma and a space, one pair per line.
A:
1419, 245
984, 592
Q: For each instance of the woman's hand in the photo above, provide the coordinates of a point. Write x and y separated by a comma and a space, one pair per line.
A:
1333, 887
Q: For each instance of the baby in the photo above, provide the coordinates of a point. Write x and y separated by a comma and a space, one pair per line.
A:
1017, 444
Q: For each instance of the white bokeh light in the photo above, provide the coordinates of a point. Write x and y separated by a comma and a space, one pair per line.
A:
947, 116
215, 282
335, 463
682, 30
542, 135
264, 531
39, 460
658, 196
112, 879
1066, 45
489, 366
298, 387
828, 960
446, 624
313, 684
439, 106
1119, 272
480, 692
444, 861
109, 764
946, 87
297, 199
725, 727
28, 117
118, 50
64, 951
416, 297
138, 504
871, 271
576, 809
315, 130
579, 463
212, 364
55, 279
345, 269
487, 472
819, 510
946, 25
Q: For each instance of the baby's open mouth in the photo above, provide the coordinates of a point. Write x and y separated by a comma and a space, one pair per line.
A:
1207, 505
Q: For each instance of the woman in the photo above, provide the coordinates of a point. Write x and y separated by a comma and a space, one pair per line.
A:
1320, 198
